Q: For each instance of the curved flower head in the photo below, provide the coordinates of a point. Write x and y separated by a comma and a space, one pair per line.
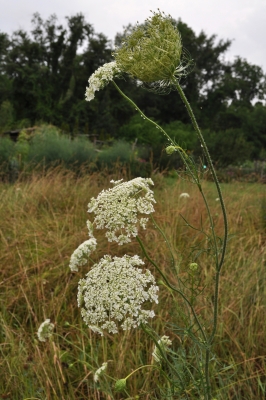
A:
99, 372
153, 52
81, 254
100, 78
118, 209
113, 293
163, 342
45, 330
184, 196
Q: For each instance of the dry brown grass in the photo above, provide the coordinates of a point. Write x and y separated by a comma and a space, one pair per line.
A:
43, 219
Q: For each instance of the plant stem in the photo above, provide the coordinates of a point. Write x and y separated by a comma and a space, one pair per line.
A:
218, 264
174, 289
207, 155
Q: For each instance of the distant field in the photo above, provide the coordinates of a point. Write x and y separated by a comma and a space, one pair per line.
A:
43, 220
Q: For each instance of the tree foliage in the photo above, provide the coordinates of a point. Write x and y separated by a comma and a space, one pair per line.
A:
43, 75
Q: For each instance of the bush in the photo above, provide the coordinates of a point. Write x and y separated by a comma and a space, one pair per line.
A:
119, 152
50, 148
227, 147
7, 161
7, 150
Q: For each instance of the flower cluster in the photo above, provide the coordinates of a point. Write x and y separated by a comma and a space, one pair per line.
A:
117, 209
45, 330
81, 254
164, 342
99, 371
113, 293
100, 78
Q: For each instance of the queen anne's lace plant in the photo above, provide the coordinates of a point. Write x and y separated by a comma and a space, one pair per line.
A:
99, 372
117, 209
164, 342
100, 78
45, 330
113, 292
81, 254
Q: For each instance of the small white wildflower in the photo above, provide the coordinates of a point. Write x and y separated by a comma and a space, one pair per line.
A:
90, 228
164, 342
99, 372
100, 78
81, 254
217, 199
45, 330
184, 196
113, 292
117, 209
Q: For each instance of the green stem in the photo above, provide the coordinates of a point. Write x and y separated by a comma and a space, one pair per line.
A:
173, 288
141, 113
143, 366
166, 240
207, 155
219, 264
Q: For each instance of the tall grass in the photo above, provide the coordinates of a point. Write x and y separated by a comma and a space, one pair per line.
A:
43, 221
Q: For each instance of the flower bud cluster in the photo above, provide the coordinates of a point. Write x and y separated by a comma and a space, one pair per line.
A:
117, 209
100, 78
113, 293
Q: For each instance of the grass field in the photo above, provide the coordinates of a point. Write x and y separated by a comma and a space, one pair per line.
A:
43, 220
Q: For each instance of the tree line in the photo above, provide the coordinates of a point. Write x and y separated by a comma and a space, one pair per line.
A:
43, 75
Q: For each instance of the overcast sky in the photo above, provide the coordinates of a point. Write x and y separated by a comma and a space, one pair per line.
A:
243, 21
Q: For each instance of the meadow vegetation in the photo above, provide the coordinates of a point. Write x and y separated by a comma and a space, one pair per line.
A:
43, 219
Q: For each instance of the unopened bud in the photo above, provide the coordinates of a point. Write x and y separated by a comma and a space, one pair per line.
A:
170, 150
120, 385
193, 266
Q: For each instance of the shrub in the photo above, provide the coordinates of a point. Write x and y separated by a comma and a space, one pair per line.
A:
50, 148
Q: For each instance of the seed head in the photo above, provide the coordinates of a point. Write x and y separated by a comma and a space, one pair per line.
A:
153, 52
120, 385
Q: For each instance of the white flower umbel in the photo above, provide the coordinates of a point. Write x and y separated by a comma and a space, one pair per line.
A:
45, 330
81, 254
117, 209
113, 292
99, 371
164, 342
100, 78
